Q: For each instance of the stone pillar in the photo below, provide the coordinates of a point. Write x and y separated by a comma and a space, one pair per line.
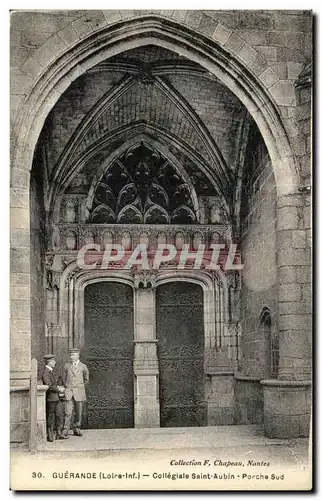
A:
20, 336
209, 318
294, 296
286, 401
20, 330
146, 369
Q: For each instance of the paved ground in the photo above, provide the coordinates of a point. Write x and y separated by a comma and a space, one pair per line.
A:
159, 451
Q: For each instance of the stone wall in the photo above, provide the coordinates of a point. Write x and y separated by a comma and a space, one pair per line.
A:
258, 247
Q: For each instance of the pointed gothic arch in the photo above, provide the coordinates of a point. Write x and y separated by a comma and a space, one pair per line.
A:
153, 30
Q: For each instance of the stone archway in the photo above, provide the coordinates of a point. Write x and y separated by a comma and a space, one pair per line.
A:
54, 80
172, 36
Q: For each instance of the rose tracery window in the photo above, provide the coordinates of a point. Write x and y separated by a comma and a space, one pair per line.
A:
142, 187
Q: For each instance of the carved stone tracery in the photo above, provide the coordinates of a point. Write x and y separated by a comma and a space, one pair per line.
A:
142, 187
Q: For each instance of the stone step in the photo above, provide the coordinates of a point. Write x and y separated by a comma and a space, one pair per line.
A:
164, 438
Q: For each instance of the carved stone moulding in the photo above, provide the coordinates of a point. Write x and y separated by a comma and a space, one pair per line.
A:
75, 236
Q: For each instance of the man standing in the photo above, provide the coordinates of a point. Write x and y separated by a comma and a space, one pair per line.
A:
52, 399
75, 377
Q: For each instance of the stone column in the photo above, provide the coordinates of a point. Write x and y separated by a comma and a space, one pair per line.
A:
287, 400
20, 332
146, 369
20, 327
209, 319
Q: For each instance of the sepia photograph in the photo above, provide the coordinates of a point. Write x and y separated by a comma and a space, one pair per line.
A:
160, 250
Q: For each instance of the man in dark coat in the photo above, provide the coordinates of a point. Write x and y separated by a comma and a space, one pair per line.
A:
75, 377
52, 399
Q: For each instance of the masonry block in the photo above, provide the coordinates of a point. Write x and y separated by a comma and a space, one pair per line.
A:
220, 400
269, 53
180, 15
269, 77
20, 178
19, 237
293, 308
286, 412
303, 274
19, 416
247, 54
222, 34
287, 218
112, 16
295, 322
287, 274
234, 43
258, 65
283, 93
225, 17
254, 36
293, 22
251, 20
207, 25
293, 257
69, 36
293, 70
299, 239
249, 405
146, 415
290, 292
220, 416
276, 38
193, 19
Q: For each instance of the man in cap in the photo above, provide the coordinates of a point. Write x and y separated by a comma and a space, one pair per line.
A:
52, 399
75, 377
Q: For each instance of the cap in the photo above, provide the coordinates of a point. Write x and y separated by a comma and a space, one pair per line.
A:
47, 357
74, 349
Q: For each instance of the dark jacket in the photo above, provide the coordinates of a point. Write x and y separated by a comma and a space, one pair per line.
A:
49, 378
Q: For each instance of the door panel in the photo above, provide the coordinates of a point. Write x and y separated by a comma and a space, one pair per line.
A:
180, 333
108, 353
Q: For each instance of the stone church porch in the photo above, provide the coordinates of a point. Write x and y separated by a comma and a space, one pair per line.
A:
152, 128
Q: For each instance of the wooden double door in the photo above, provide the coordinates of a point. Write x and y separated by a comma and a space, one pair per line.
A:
109, 351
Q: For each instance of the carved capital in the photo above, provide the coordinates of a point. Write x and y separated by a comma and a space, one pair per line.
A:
144, 278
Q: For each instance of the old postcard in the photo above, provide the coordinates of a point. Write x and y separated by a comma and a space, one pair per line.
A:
161, 250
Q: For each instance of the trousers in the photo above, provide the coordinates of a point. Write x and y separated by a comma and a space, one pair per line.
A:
54, 417
71, 407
